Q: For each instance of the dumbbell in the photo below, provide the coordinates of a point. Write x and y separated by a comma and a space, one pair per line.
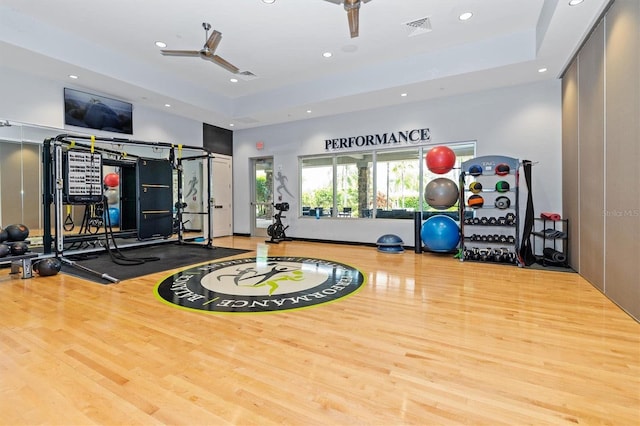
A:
493, 221
511, 239
511, 218
484, 220
502, 238
476, 221
484, 255
502, 220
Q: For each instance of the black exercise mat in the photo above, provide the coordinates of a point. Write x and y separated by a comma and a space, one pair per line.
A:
171, 256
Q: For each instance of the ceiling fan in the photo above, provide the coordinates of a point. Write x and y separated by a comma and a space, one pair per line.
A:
353, 12
208, 50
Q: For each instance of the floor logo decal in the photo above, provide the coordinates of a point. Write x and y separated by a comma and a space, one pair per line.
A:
266, 284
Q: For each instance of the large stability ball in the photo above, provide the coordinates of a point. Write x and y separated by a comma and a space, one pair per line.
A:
441, 193
112, 196
440, 159
114, 216
112, 180
440, 233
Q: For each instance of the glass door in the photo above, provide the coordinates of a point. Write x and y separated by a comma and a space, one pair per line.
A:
261, 196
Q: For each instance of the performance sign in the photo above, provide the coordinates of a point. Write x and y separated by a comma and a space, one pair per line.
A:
410, 137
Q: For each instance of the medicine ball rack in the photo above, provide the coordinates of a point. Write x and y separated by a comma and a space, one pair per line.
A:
72, 175
492, 233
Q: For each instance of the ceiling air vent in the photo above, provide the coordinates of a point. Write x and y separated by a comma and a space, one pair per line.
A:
417, 27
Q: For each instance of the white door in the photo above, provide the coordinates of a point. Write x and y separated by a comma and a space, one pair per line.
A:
222, 196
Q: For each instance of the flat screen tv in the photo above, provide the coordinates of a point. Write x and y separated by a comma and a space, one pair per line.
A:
97, 112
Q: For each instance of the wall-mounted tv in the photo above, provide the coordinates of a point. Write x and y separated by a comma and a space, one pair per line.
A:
97, 112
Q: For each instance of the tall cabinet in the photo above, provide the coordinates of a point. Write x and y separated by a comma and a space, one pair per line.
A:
489, 201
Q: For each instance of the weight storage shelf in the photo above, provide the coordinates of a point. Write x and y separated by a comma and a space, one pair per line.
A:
489, 191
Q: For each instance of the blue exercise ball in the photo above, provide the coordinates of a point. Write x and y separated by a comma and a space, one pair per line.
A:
114, 216
440, 233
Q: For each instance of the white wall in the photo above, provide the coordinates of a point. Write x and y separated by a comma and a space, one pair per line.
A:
35, 100
522, 122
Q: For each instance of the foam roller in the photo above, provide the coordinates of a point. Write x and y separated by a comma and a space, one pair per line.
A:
554, 255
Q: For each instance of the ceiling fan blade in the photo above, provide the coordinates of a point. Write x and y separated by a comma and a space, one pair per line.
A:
224, 64
214, 41
180, 52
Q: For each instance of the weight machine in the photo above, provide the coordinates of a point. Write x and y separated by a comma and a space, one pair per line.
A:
149, 207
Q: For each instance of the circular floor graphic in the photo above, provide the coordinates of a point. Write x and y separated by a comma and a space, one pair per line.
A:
268, 284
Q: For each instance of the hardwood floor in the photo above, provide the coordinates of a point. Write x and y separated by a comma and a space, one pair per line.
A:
427, 340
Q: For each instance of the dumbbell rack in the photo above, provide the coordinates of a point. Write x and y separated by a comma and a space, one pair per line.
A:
491, 234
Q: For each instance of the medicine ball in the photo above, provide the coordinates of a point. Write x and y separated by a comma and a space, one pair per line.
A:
502, 186
503, 202
3, 235
47, 267
475, 187
4, 250
502, 169
475, 170
19, 247
17, 232
475, 201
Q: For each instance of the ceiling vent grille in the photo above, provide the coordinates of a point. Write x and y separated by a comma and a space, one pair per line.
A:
417, 27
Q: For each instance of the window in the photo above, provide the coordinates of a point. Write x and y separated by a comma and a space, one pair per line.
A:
354, 185
397, 184
380, 184
317, 185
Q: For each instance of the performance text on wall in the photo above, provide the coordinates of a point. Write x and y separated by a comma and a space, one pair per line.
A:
414, 136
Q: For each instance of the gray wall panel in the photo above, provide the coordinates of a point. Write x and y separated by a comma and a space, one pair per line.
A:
622, 196
570, 207
591, 157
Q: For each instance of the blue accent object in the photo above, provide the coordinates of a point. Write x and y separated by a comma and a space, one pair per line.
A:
440, 233
389, 240
114, 216
391, 249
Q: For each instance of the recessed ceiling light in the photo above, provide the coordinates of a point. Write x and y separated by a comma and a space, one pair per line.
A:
327, 54
233, 80
575, 2
403, 94
308, 111
231, 124
161, 44
465, 16
167, 105
542, 70
268, 1
75, 77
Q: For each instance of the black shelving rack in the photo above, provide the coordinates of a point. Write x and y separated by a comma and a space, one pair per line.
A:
491, 234
553, 238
